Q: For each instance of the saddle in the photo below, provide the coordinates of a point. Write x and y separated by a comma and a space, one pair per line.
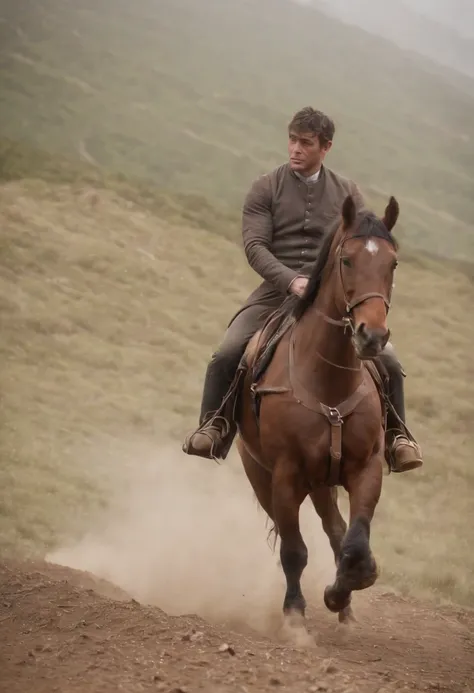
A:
259, 355
257, 358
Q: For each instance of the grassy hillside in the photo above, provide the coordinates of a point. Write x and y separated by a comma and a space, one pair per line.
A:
196, 97
106, 330
119, 274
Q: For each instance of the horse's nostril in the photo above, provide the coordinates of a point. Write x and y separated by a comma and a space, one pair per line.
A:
371, 338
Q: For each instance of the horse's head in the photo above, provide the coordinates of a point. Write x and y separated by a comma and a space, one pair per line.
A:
366, 258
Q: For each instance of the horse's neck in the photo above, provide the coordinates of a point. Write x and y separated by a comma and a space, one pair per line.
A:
324, 354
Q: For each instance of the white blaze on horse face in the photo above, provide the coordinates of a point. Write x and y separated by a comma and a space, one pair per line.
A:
372, 246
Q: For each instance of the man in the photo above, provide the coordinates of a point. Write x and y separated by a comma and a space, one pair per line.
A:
285, 216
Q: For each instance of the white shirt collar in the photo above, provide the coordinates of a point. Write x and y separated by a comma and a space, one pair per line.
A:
309, 179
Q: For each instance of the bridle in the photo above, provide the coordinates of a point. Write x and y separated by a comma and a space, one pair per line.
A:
348, 320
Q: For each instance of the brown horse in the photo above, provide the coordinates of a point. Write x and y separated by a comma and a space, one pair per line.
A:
314, 417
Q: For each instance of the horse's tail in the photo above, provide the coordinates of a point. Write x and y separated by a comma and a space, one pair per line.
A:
274, 531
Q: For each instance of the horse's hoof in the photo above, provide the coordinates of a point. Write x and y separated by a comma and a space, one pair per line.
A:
346, 616
294, 630
359, 577
336, 601
295, 618
368, 577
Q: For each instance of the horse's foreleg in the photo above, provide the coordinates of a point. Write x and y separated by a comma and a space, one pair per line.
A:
288, 494
324, 500
357, 568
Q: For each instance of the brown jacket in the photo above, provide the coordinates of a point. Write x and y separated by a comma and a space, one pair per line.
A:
283, 223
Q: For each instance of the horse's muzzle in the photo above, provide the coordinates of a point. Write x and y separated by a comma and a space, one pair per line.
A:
369, 342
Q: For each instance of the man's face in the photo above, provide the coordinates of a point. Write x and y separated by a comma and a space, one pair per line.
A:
305, 153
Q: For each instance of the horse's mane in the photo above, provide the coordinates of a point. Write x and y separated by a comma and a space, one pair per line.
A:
367, 225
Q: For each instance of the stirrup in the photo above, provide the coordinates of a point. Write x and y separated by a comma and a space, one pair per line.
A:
215, 423
412, 461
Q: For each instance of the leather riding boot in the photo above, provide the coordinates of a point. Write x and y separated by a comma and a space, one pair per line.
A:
403, 454
207, 441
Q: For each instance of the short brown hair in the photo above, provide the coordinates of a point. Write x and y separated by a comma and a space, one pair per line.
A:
316, 122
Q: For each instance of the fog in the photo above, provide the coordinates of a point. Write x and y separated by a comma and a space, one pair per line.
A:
442, 30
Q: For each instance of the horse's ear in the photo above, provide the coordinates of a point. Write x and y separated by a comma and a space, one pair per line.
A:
392, 211
348, 212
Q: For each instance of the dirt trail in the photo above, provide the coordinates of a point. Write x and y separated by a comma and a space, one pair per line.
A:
64, 630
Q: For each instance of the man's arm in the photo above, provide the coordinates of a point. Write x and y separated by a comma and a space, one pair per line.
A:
257, 233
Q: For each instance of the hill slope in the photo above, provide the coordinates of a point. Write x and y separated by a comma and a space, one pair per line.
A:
196, 97
109, 314
444, 32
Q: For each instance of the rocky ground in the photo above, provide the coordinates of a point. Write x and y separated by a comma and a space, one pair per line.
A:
63, 630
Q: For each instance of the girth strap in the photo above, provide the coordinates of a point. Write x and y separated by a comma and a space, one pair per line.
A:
335, 415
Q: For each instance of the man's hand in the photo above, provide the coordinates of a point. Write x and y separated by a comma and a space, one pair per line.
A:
298, 286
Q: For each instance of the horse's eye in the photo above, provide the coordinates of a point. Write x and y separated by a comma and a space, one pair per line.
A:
346, 262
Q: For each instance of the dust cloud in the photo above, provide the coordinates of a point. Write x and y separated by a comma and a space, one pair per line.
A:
187, 535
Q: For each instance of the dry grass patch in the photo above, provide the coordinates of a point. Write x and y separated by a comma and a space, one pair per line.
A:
109, 315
